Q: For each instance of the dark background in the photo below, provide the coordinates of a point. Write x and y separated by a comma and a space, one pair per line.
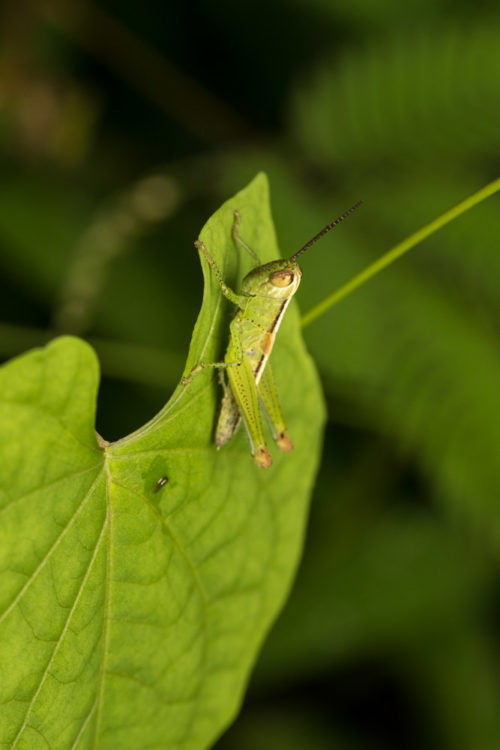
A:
123, 126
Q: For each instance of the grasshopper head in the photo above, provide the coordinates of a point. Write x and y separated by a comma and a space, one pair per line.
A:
278, 280
281, 278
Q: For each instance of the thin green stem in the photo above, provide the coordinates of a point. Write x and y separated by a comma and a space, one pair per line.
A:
398, 251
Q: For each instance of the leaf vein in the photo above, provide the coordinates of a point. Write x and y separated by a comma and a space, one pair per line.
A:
180, 547
47, 556
84, 726
62, 636
46, 485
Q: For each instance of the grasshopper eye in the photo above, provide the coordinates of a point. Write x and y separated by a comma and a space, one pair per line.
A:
281, 278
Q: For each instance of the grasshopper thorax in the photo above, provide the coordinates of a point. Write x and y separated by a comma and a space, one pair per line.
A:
278, 279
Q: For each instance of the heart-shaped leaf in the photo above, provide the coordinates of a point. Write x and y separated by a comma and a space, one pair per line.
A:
139, 578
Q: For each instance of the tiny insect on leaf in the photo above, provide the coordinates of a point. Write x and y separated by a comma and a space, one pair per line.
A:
161, 483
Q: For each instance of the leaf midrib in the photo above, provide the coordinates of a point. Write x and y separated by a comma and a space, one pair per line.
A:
107, 583
62, 635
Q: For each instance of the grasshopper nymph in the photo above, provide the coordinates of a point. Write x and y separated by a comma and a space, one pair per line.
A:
265, 294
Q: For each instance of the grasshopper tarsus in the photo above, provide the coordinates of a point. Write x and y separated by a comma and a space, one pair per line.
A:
262, 458
284, 442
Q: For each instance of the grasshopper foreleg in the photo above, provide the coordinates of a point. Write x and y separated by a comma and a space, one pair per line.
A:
232, 296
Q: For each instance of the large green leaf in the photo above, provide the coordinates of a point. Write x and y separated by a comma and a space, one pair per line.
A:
130, 616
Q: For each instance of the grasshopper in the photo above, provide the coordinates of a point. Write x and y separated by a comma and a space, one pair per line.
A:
265, 295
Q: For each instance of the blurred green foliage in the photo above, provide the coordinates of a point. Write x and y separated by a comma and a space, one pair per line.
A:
122, 127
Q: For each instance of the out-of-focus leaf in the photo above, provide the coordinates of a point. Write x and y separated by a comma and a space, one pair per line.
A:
456, 678
382, 588
363, 15
39, 222
431, 371
401, 101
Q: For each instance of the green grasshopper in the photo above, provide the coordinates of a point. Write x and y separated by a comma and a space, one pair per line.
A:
265, 295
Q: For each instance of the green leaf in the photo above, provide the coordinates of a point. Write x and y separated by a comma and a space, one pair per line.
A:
130, 616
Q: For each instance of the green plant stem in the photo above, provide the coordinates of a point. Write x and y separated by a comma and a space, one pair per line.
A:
398, 251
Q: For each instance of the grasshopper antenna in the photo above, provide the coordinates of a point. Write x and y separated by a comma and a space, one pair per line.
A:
325, 230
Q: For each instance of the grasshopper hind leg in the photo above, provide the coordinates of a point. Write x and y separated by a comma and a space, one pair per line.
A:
230, 418
269, 400
244, 391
